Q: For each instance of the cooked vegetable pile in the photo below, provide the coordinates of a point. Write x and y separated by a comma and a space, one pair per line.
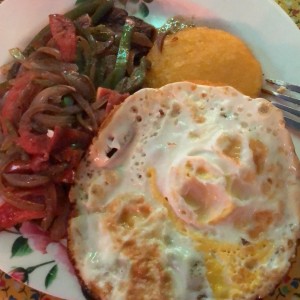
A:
57, 93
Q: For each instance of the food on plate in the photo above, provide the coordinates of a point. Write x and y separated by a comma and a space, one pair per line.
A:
51, 106
195, 196
201, 53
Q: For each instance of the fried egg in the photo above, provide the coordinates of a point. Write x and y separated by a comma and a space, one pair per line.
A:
188, 192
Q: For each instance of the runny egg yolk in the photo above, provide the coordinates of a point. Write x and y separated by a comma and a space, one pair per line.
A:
201, 197
226, 264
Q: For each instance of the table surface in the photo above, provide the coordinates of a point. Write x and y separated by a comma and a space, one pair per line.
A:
13, 290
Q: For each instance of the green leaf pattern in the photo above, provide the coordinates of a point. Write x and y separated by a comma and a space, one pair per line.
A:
20, 247
51, 276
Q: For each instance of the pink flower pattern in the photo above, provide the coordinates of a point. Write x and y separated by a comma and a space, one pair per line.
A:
39, 241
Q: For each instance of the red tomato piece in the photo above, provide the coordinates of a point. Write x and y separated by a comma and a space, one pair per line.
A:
112, 98
10, 215
64, 34
68, 176
18, 98
38, 163
71, 156
40, 146
34, 144
64, 137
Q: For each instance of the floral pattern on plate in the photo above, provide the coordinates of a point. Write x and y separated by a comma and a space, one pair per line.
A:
31, 238
33, 255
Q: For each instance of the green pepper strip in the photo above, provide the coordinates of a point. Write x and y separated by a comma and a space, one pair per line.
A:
136, 79
4, 87
17, 54
92, 73
99, 72
102, 10
81, 9
101, 32
85, 58
87, 35
122, 58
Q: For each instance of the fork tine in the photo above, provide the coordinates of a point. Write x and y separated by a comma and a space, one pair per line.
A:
282, 96
291, 87
292, 108
292, 120
288, 102
287, 108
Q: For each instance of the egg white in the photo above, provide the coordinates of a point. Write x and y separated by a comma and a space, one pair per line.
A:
200, 199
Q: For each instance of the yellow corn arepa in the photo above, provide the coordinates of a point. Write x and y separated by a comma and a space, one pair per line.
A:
188, 192
207, 55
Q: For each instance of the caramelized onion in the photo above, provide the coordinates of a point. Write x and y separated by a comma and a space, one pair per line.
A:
25, 122
51, 205
51, 51
19, 202
84, 123
58, 229
130, 64
141, 39
40, 61
72, 109
51, 121
87, 108
55, 93
25, 180
48, 79
81, 83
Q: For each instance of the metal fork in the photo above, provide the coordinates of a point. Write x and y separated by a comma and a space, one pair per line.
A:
286, 97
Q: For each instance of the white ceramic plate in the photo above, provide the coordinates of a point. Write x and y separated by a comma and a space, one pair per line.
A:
269, 32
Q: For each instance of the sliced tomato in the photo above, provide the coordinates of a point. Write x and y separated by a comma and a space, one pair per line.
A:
72, 158
38, 163
112, 98
34, 144
10, 215
18, 98
60, 146
68, 176
64, 34
42, 145
64, 137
